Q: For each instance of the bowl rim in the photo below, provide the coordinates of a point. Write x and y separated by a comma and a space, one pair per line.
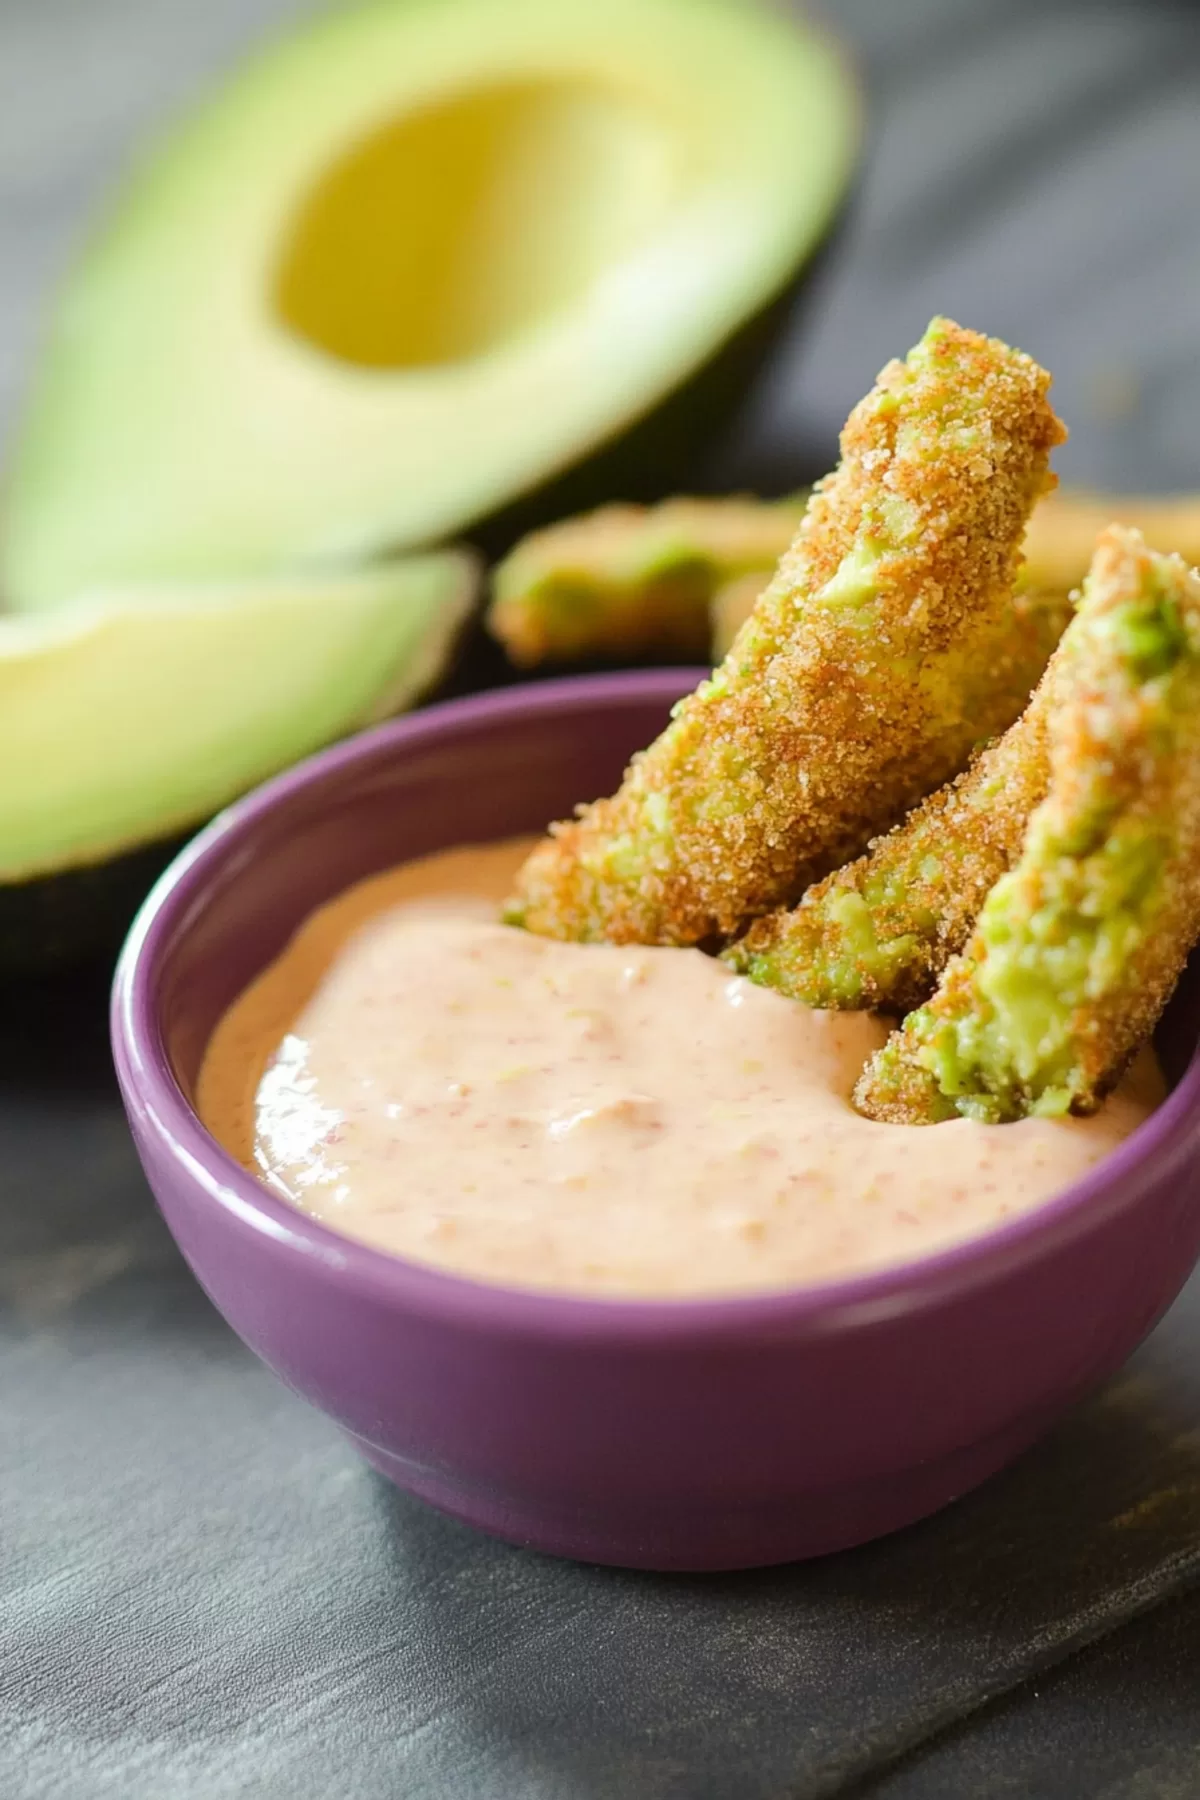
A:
157, 1106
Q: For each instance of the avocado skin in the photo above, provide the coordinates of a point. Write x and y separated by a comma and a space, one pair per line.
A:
56, 921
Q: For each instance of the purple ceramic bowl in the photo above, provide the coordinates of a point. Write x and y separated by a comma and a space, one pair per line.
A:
670, 1435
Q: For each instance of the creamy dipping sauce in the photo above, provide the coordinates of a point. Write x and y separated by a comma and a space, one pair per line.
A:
593, 1118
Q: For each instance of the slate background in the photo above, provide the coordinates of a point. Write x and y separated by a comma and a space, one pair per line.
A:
202, 1593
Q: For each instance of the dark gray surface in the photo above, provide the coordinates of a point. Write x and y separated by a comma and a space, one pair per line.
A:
203, 1593
1122, 1718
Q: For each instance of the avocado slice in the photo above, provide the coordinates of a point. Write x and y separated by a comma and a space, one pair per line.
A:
408, 265
126, 718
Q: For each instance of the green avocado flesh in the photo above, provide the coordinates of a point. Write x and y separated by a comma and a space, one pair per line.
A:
408, 265
124, 718
1101, 889
1035, 977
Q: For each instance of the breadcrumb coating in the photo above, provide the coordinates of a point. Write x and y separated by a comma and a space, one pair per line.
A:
878, 932
1078, 947
846, 695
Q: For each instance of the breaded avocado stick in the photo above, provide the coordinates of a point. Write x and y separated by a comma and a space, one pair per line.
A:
1078, 947
633, 580
879, 932
999, 683
845, 697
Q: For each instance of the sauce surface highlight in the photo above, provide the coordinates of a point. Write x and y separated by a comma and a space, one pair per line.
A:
593, 1118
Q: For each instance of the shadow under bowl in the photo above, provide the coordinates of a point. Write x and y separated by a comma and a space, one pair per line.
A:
699, 1434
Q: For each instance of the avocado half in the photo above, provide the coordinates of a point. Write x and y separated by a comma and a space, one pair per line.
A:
127, 718
413, 262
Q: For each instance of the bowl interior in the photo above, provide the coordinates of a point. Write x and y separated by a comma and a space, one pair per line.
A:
468, 772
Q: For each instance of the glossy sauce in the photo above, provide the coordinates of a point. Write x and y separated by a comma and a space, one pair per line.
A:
588, 1117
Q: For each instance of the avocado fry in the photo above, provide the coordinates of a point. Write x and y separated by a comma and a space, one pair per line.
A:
630, 581
878, 932
845, 696
1078, 946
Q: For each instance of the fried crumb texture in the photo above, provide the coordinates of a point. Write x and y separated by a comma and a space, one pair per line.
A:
1078, 947
878, 932
847, 695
